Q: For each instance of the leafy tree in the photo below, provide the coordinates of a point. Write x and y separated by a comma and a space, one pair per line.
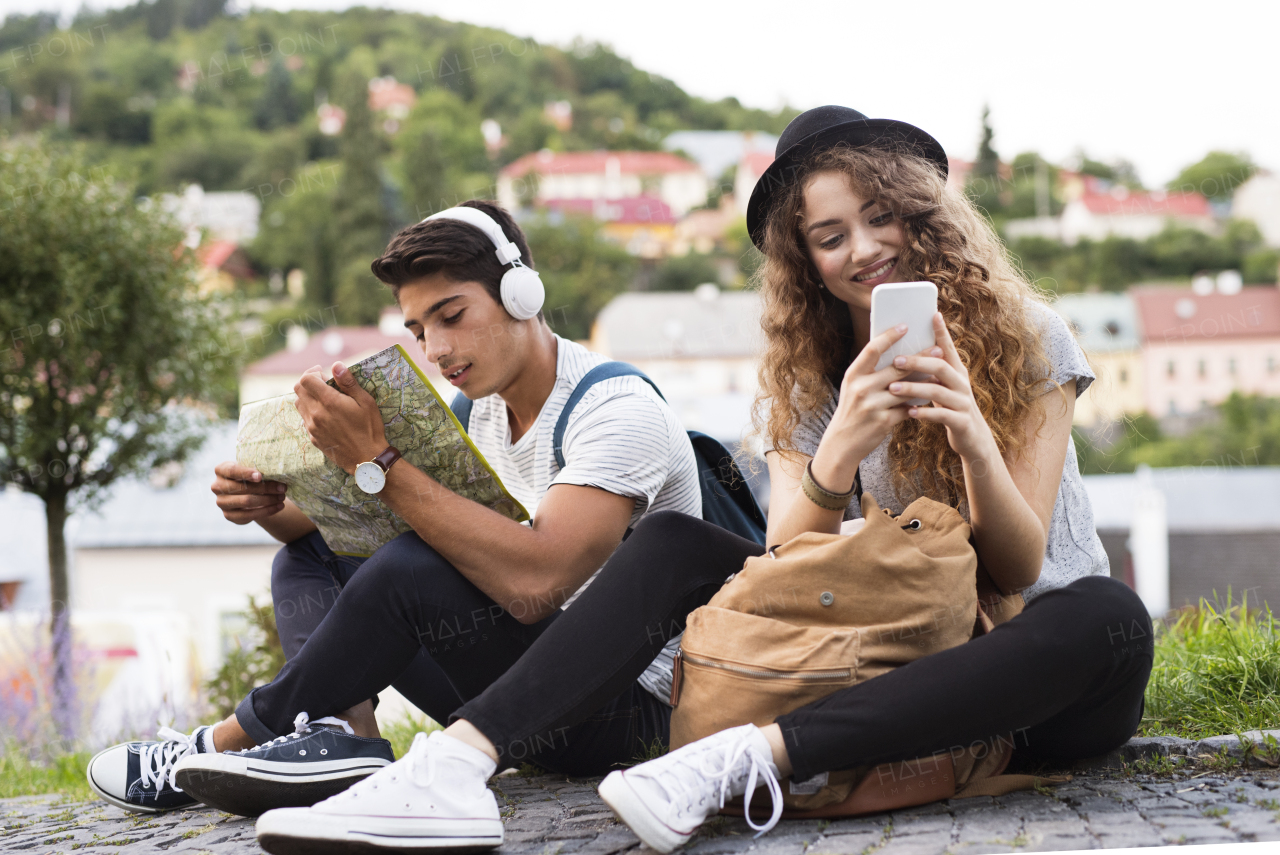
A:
581, 271
683, 273
277, 105
1215, 175
984, 179
295, 232
1244, 432
105, 339
440, 148
361, 226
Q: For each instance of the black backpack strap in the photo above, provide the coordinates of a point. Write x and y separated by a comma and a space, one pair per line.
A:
602, 372
461, 406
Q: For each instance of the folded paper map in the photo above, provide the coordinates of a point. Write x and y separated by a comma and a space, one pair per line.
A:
273, 440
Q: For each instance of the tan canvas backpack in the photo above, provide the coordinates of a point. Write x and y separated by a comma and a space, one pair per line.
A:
823, 612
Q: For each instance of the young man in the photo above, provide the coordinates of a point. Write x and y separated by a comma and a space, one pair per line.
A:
475, 589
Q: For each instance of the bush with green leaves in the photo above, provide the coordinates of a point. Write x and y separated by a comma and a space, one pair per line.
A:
254, 661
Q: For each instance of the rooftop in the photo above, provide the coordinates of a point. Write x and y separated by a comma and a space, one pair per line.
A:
1122, 201
1226, 498
716, 151
704, 323
594, 162
332, 344
1172, 314
627, 210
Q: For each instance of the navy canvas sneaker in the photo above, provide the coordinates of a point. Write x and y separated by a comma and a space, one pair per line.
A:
318, 760
138, 776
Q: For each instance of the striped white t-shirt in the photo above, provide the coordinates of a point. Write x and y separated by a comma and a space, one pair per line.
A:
621, 438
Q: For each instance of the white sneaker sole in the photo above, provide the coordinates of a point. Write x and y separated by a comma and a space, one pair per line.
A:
631, 809
303, 831
121, 803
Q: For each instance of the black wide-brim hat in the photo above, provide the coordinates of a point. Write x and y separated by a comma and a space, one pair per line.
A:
822, 128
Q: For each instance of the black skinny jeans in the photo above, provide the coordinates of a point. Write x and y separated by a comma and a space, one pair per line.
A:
406, 601
1066, 677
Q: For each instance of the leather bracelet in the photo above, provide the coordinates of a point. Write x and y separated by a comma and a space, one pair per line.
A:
823, 498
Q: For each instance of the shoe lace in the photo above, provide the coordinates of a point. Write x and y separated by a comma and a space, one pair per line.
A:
719, 765
157, 759
302, 726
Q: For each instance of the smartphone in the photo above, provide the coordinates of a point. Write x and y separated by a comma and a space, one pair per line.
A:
910, 303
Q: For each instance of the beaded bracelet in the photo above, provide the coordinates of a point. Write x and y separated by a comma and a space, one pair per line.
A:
824, 499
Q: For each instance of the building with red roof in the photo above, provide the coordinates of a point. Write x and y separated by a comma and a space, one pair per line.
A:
644, 225
309, 343
1197, 348
602, 175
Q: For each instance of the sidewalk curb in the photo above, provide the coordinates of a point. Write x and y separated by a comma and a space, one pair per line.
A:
1148, 747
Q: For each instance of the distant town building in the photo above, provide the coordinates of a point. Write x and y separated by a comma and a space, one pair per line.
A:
644, 225
1096, 209
278, 373
1106, 327
223, 263
704, 230
391, 102
750, 168
716, 151
701, 347
1258, 199
540, 176
1199, 347
229, 216
332, 118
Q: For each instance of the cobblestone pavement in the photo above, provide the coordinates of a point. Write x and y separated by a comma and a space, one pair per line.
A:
548, 815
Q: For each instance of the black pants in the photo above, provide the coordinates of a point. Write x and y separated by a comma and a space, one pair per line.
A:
1066, 677
577, 705
306, 579
1062, 681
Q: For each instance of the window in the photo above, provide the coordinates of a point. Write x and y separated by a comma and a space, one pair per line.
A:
1124, 375
1271, 364
1173, 408
1202, 368
1170, 369
1231, 366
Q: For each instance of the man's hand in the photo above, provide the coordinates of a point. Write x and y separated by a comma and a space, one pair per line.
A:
346, 423
243, 496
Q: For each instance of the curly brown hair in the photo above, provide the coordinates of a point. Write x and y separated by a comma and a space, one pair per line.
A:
981, 294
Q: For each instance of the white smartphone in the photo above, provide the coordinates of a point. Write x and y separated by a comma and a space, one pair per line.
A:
910, 303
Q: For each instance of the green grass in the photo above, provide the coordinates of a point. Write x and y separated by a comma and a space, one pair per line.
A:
1216, 671
400, 733
64, 774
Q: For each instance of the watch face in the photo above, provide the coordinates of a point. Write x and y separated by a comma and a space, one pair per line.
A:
370, 477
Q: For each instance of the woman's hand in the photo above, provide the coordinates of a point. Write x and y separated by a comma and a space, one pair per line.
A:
865, 414
953, 404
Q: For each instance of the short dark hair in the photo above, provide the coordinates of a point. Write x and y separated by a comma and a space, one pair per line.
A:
459, 250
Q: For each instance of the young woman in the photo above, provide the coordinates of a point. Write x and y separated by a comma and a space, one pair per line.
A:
849, 204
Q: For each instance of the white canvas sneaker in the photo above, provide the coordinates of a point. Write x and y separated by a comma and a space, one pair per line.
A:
435, 797
665, 800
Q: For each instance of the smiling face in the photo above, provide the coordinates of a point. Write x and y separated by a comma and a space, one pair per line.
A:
855, 243
478, 347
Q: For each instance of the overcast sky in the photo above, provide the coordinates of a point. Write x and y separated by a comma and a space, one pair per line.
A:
1157, 84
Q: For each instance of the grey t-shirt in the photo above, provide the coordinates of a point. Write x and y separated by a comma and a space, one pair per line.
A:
1073, 550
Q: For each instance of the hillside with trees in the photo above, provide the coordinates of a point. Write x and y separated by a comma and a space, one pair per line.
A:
166, 93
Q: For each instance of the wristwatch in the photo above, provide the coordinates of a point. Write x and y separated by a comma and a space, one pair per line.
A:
372, 475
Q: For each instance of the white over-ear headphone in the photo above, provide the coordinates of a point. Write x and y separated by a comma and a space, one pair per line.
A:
522, 291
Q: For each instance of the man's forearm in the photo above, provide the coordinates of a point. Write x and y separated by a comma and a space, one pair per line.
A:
289, 524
